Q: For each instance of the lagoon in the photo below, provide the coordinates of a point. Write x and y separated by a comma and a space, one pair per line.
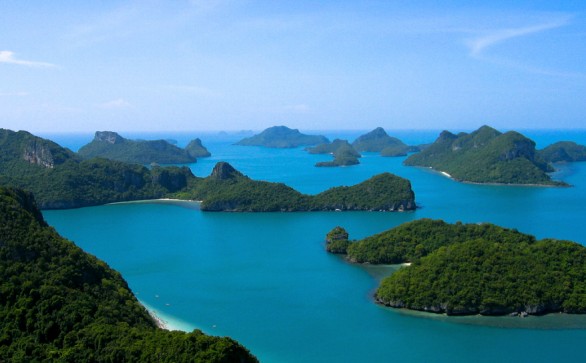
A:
265, 279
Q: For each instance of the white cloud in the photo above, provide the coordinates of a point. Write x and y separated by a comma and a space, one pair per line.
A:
7, 56
115, 104
479, 45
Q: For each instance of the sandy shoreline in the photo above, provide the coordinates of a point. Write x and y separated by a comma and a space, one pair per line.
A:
492, 183
193, 204
168, 322
162, 324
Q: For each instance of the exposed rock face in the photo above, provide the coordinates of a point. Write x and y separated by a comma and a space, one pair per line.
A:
108, 136
224, 171
38, 153
444, 308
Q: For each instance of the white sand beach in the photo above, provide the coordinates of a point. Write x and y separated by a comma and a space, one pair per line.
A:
168, 322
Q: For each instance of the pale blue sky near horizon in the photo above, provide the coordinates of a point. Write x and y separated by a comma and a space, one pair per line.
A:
154, 65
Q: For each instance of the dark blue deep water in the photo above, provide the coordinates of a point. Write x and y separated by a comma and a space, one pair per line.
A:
265, 280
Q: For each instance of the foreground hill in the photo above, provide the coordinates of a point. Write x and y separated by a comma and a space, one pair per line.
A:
59, 304
60, 179
282, 137
462, 269
344, 154
486, 156
110, 145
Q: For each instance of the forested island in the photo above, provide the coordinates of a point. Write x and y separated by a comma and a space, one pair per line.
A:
282, 137
60, 304
379, 141
466, 269
59, 178
563, 151
110, 145
486, 156
226, 189
344, 154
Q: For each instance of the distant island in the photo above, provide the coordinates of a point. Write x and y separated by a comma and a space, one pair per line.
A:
379, 141
344, 154
195, 149
563, 151
110, 145
60, 179
282, 137
486, 156
468, 269
60, 304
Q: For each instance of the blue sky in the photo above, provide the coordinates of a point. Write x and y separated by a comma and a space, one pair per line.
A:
314, 65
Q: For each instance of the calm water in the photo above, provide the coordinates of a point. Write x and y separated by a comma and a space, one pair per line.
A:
265, 280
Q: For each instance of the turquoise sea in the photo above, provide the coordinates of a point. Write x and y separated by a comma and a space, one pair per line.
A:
265, 280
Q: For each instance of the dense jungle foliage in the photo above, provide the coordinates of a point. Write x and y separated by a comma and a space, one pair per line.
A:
59, 304
226, 189
110, 145
471, 268
563, 151
486, 156
490, 276
60, 179
413, 240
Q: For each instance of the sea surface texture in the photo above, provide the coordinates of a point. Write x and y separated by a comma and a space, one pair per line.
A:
266, 280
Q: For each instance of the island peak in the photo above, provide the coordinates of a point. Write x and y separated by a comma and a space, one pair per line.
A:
282, 137
224, 171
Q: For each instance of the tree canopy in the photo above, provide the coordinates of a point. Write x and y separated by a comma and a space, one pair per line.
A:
57, 303
471, 268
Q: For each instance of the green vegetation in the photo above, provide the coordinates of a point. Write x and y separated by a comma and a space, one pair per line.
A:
110, 145
486, 156
59, 304
60, 179
195, 149
382, 192
337, 241
344, 153
413, 240
282, 137
226, 189
473, 269
378, 140
563, 151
